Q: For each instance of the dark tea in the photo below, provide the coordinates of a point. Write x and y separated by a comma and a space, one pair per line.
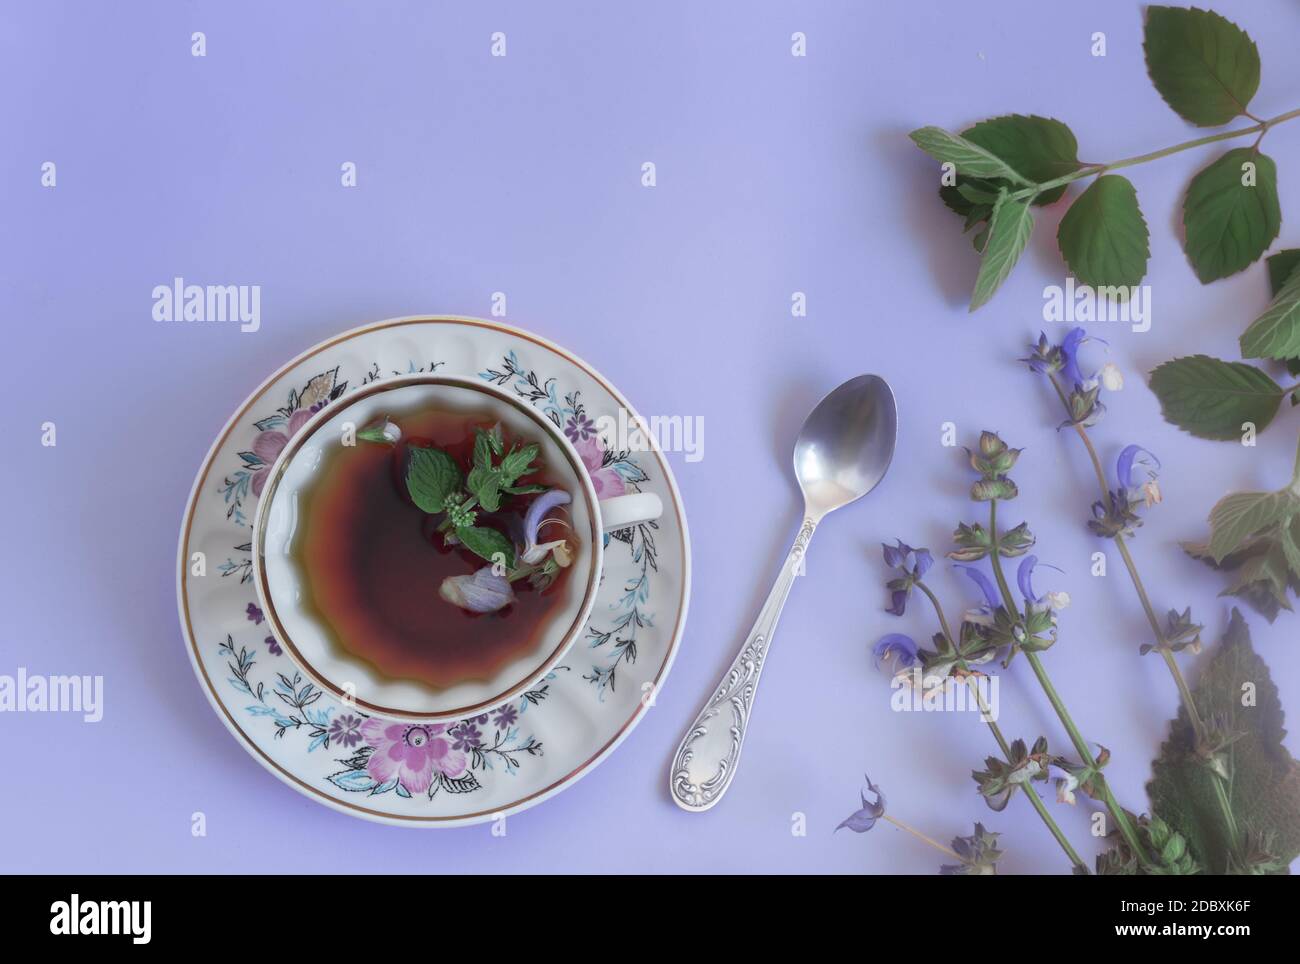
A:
420, 547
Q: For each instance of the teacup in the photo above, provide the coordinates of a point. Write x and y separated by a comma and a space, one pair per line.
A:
279, 578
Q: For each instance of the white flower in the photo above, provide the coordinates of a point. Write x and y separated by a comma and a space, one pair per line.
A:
1111, 377
1058, 600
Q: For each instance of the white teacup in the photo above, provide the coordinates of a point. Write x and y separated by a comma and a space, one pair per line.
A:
280, 583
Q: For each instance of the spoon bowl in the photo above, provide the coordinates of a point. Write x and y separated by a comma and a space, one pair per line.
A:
846, 444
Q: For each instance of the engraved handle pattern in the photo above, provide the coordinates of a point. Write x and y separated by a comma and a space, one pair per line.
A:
706, 760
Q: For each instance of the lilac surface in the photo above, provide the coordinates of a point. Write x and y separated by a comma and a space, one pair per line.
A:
521, 174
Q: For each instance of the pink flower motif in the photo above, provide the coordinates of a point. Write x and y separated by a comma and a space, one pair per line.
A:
410, 753
606, 481
267, 446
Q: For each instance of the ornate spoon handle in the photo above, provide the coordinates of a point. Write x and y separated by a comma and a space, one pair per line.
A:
706, 760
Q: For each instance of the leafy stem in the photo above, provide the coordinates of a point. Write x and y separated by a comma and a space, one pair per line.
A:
1081, 747
1088, 170
1030, 793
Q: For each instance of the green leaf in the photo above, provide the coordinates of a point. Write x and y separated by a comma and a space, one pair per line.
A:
1103, 236
1237, 696
1213, 399
967, 156
431, 476
1009, 230
485, 485
1237, 517
1040, 148
1280, 267
1228, 224
518, 462
1205, 67
1276, 333
488, 544
530, 488
487, 444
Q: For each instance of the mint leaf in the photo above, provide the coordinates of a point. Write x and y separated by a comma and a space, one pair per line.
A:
1204, 66
486, 444
1237, 517
1276, 333
488, 544
518, 462
375, 433
967, 156
1213, 399
1009, 230
1040, 148
431, 476
485, 485
1264, 791
530, 488
1280, 267
1259, 570
1103, 236
1228, 224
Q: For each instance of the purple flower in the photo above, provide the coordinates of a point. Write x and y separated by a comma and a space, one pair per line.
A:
506, 717
483, 592
1024, 579
580, 428
410, 754
346, 730
897, 650
864, 819
1126, 473
1070, 357
465, 737
273, 646
913, 564
534, 552
986, 587
255, 615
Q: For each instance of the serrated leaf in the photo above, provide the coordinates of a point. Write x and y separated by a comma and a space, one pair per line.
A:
1237, 517
518, 462
966, 156
487, 543
1204, 66
1009, 230
1280, 267
1276, 333
485, 485
1103, 237
1228, 224
1264, 792
1213, 399
431, 475
1040, 148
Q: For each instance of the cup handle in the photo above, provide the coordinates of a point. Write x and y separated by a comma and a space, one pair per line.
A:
623, 511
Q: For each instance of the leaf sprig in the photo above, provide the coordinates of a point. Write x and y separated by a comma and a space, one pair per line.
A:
1208, 70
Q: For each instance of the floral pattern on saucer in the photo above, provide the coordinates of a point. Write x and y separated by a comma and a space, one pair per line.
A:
426, 771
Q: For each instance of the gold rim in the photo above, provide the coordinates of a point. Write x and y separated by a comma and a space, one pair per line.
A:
200, 484
296, 443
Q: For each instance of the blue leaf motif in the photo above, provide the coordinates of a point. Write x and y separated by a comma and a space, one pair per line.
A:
354, 781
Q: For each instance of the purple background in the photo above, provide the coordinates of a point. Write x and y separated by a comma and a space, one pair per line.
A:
521, 174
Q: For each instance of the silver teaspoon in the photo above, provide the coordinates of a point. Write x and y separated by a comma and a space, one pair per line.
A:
841, 454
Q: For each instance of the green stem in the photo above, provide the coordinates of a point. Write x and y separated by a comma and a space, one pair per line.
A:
1184, 692
1080, 744
1030, 793
1088, 170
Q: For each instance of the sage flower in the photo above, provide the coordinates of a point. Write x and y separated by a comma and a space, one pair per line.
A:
895, 650
981, 615
979, 854
1126, 474
912, 565
534, 552
483, 592
863, 820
